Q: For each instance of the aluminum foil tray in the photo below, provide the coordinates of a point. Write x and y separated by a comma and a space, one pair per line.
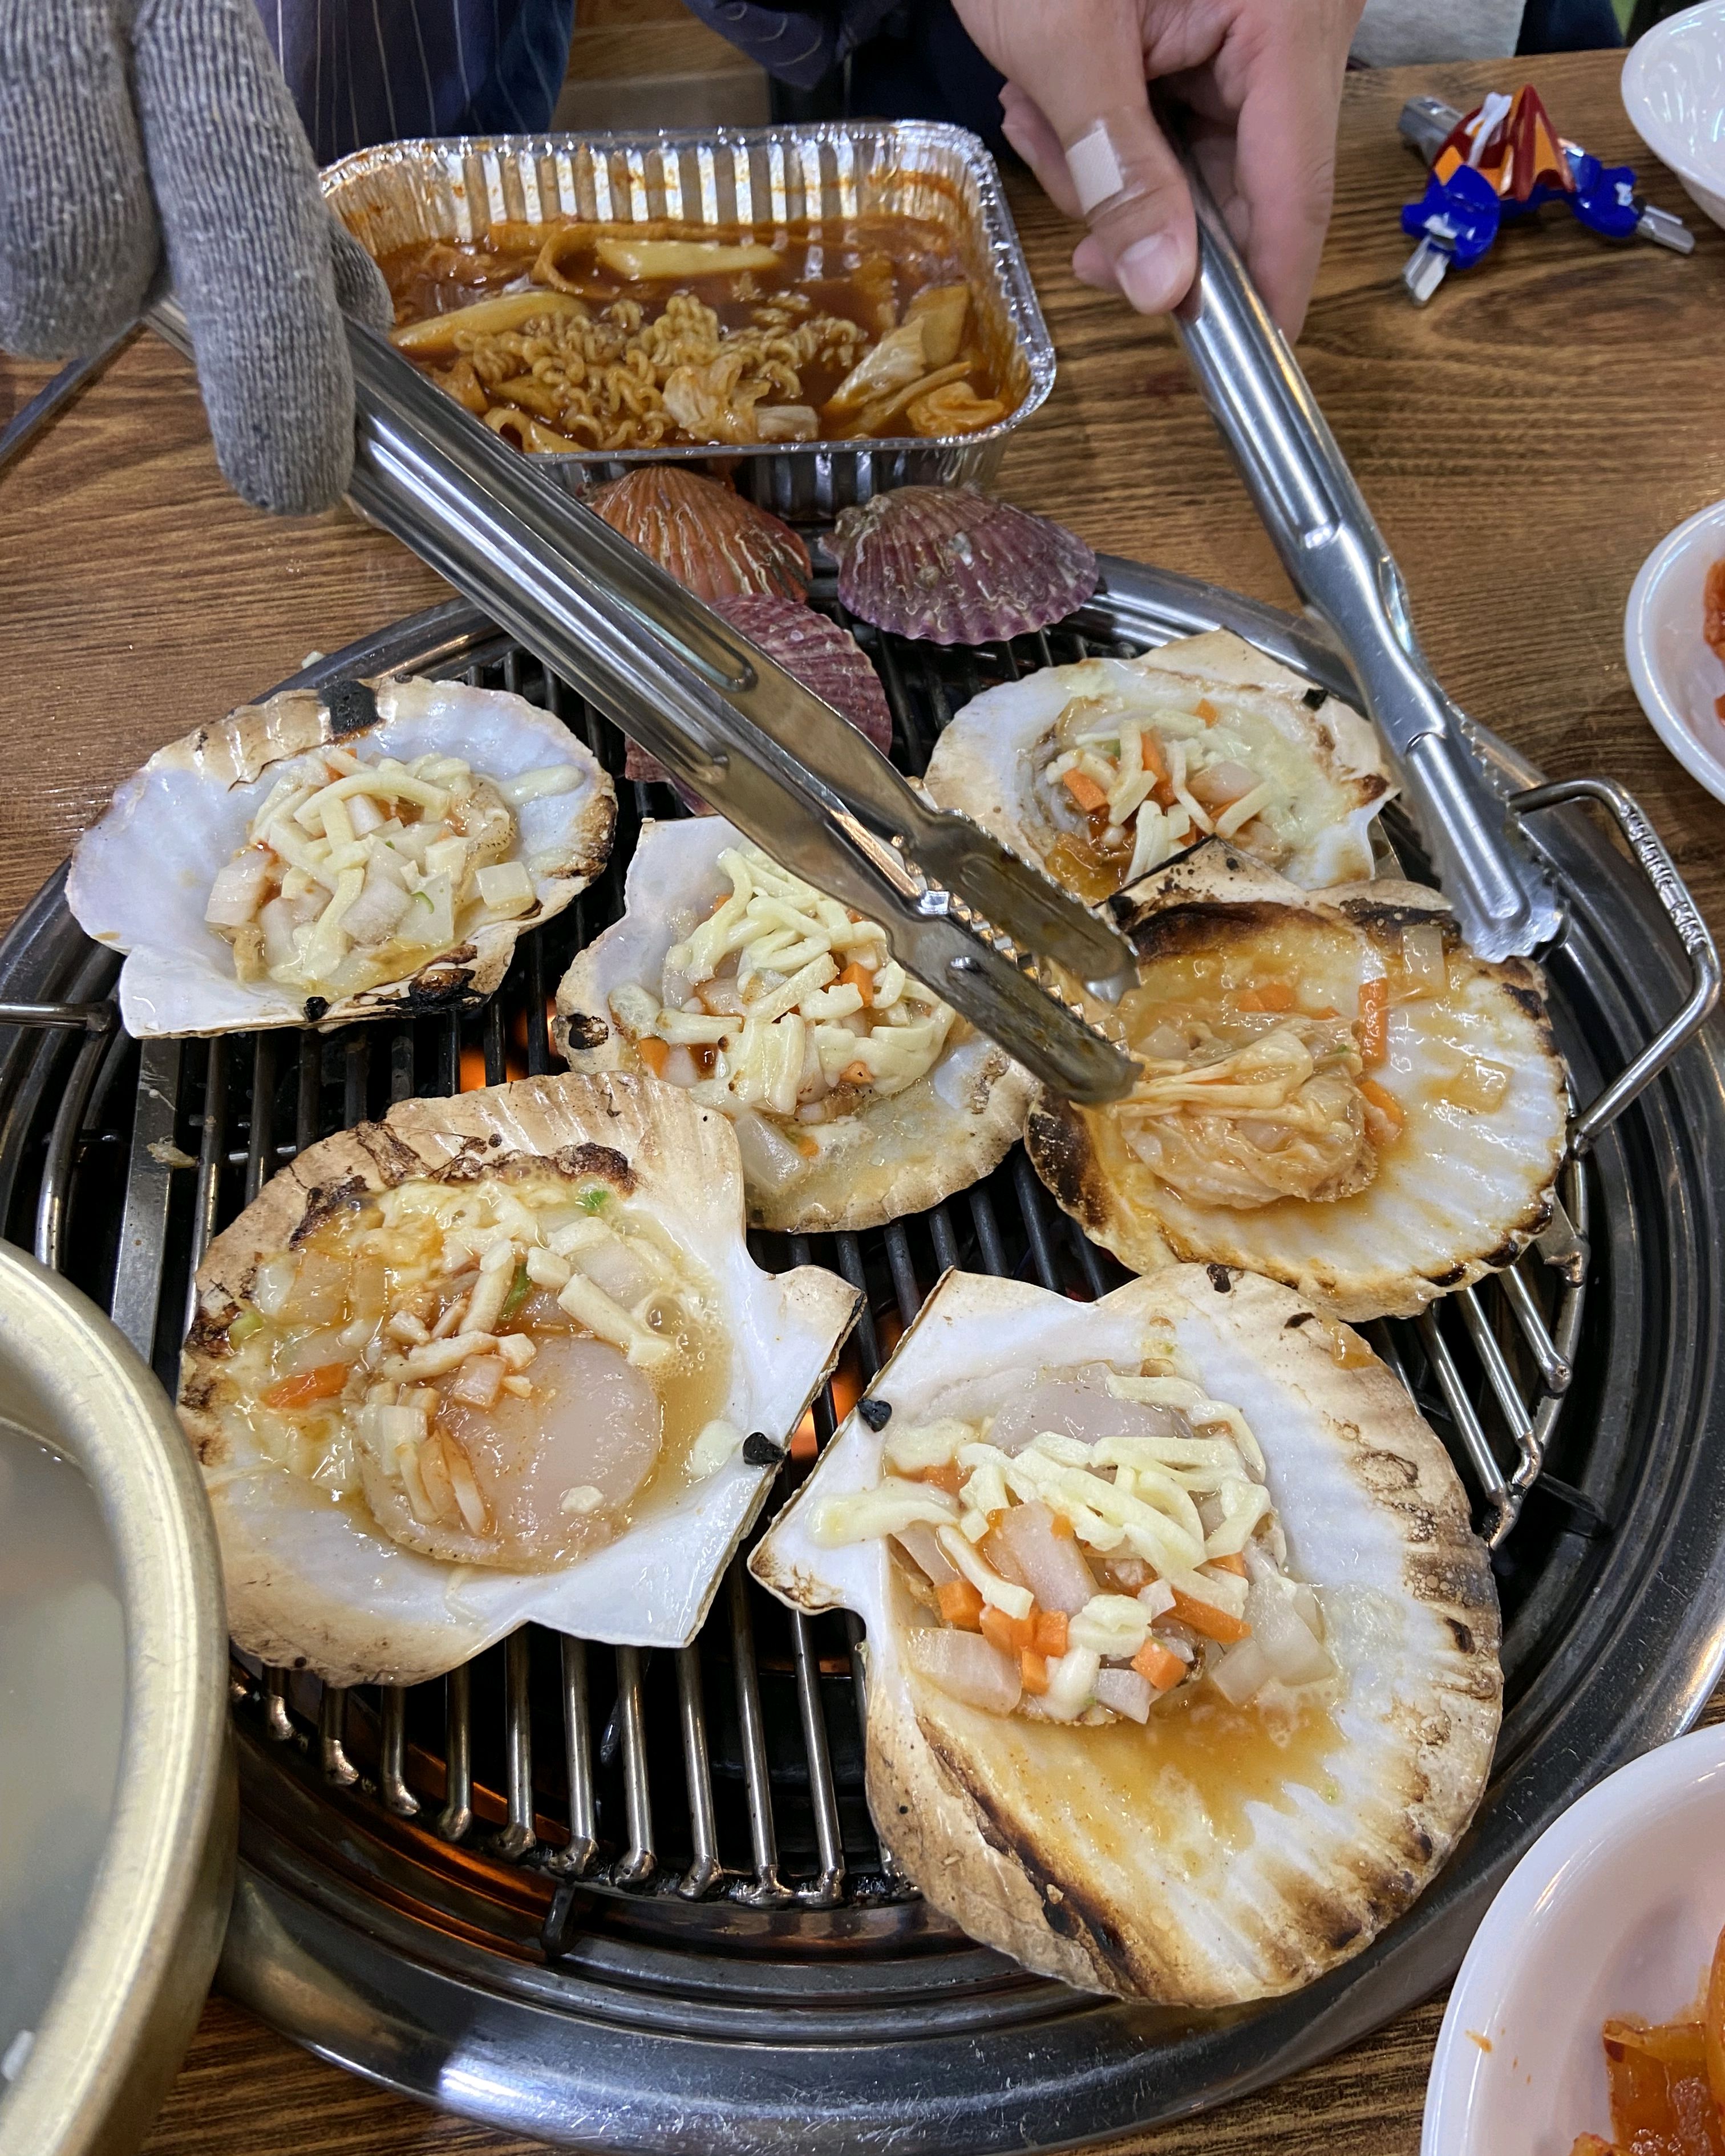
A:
455, 189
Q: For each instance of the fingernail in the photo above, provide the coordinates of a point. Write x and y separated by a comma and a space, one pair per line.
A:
1149, 272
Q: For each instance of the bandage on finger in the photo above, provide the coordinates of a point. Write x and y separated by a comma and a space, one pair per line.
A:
1094, 163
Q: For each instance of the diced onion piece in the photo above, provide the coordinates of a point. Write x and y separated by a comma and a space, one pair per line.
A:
1243, 1672
966, 1665
918, 1538
1296, 1656
447, 857
1052, 1566
1126, 1691
506, 888
238, 889
540, 785
1424, 971
787, 422
468, 1497
429, 921
769, 1159
373, 915
274, 1283
650, 259
480, 1381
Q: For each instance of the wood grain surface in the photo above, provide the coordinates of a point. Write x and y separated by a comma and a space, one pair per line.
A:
1524, 442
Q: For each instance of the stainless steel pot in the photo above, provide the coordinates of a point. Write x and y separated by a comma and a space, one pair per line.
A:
131, 1990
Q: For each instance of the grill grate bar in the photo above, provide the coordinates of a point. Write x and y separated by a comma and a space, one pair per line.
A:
517, 1838
457, 1814
332, 1738
1555, 1371
393, 1752
149, 1192
211, 1144
1468, 1425
638, 1862
260, 1150
829, 1886
53, 1201
1495, 1364
703, 1872
766, 1886
577, 1760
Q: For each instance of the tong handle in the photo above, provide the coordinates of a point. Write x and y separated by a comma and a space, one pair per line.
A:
1693, 932
1336, 559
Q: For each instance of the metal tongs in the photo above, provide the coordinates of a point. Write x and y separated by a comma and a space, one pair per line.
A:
1336, 560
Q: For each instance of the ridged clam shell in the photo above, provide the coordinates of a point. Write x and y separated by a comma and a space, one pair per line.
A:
321, 1586
821, 654
950, 566
1109, 1858
705, 535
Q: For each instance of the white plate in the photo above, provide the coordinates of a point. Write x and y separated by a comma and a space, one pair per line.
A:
1673, 87
1615, 1910
1677, 677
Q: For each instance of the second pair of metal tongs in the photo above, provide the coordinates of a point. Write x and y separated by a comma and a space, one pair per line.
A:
963, 915
1336, 560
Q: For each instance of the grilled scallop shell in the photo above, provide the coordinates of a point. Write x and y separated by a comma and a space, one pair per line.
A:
988, 761
315, 1585
705, 534
1459, 1193
1177, 1875
140, 877
952, 565
906, 1151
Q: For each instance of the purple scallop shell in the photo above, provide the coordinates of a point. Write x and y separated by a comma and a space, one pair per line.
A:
950, 566
821, 654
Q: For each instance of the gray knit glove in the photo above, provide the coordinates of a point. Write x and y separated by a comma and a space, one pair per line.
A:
136, 130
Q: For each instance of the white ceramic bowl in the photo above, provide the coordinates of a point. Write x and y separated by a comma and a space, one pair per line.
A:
1677, 677
1615, 1910
1674, 92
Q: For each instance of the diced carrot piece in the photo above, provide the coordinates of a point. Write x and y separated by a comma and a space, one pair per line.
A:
322, 1383
1232, 1562
1207, 710
654, 1052
1213, 1623
1085, 791
946, 1476
1272, 996
1033, 1672
1157, 1665
805, 1145
1051, 1632
861, 979
1154, 759
1011, 1634
1063, 1528
1382, 1101
1373, 1023
959, 1604
856, 1074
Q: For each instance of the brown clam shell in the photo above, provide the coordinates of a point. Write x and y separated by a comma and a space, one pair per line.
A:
950, 566
823, 656
705, 534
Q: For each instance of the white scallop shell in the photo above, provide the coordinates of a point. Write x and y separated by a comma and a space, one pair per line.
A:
904, 1152
315, 1584
1460, 1193
140, 877
986, 761
1142, 1879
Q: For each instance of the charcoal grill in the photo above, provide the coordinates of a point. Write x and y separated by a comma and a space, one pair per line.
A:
635, 1901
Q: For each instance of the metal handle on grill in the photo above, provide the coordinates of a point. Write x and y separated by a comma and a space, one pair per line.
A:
85, 1018
1338, 563
1669, 888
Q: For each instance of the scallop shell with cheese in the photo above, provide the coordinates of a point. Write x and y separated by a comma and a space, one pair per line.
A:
500, 1357
1210, 1852
1334, 1093
857, 1096
154, 873
1203, 736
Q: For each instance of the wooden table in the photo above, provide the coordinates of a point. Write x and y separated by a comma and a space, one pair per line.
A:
1524, 442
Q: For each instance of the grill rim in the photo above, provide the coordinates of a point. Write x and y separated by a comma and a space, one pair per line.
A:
1100, 2066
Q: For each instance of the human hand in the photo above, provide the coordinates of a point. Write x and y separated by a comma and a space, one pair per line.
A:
1260, 83
134, 132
